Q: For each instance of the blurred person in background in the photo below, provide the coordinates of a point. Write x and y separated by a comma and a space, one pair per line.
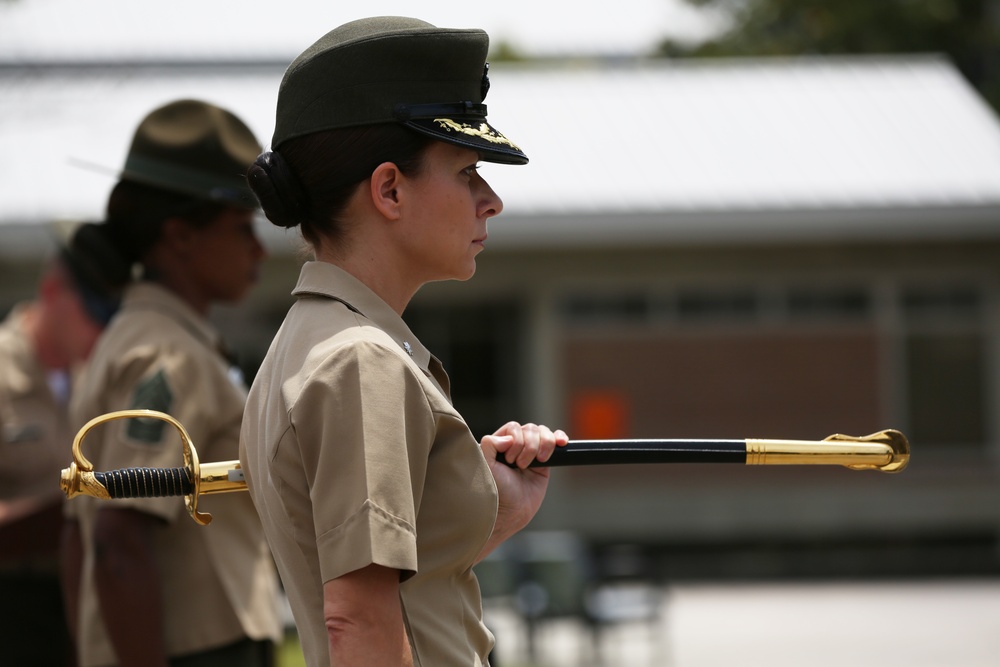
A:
146, 586
376, 497
43, 344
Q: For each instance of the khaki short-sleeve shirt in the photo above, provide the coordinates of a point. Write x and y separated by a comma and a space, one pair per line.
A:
35, 445
354, 455
218, 581
35, 436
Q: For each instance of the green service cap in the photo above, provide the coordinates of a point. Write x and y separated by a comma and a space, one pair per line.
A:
194, 148
392, 69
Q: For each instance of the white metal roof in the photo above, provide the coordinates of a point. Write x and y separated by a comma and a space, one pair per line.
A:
801, 146
55, 119
697, 135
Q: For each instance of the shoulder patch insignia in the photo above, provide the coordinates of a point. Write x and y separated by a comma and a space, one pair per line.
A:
153, 393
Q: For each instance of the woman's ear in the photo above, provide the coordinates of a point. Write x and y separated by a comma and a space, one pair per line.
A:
384, 187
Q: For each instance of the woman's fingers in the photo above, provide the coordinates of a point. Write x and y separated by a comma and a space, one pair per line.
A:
521, 444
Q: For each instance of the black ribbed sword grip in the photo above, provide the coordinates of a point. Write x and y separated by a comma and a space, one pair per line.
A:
146, 482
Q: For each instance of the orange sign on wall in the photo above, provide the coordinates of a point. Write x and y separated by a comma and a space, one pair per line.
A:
599, 415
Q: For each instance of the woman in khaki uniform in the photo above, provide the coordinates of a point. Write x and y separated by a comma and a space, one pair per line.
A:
43, 344
375, 496
153, 587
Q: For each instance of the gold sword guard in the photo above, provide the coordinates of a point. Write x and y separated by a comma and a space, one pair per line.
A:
206, 478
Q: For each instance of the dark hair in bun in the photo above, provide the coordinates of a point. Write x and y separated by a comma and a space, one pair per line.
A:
308, 180
278, 190
96, 269
95, 259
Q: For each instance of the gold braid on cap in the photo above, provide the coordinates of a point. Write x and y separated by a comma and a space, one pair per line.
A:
484, 131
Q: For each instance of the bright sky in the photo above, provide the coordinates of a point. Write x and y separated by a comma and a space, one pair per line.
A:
283, 28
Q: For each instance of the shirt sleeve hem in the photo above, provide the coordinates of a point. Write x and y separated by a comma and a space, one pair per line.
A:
370, 536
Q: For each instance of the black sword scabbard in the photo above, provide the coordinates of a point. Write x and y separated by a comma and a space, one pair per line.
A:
886, 450
605, 452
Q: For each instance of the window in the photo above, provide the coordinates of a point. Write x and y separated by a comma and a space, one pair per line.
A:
942, 303
803, 303
947, 396
721, 304
945, 352
600, 308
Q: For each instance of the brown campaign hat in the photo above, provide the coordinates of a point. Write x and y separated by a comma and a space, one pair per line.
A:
194, 148
392, 69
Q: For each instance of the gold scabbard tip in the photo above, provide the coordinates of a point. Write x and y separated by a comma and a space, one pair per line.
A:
887, 451
897, 444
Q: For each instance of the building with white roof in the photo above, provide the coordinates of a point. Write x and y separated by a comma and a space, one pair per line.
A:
680, 150
779, 248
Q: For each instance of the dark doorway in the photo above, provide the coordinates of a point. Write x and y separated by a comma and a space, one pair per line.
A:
480, 346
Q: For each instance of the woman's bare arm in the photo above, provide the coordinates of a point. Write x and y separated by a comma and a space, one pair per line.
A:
364, 619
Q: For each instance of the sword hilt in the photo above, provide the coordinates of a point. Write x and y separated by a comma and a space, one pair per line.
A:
191, 481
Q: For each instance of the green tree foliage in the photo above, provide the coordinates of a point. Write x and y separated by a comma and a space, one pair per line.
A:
505, 51
968, 31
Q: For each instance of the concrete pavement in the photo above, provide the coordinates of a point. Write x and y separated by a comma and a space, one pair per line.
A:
954, 623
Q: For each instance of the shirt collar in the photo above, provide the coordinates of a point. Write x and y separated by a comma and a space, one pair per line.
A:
328, 280
151, 296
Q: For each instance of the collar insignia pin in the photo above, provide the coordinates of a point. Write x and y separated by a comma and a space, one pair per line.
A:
409, 350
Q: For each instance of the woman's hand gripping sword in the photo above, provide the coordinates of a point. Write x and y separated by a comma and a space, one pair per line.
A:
887, 451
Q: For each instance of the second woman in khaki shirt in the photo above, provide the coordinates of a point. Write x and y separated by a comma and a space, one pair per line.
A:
146, 585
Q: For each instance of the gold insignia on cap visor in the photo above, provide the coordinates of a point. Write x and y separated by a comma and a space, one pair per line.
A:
484, 131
